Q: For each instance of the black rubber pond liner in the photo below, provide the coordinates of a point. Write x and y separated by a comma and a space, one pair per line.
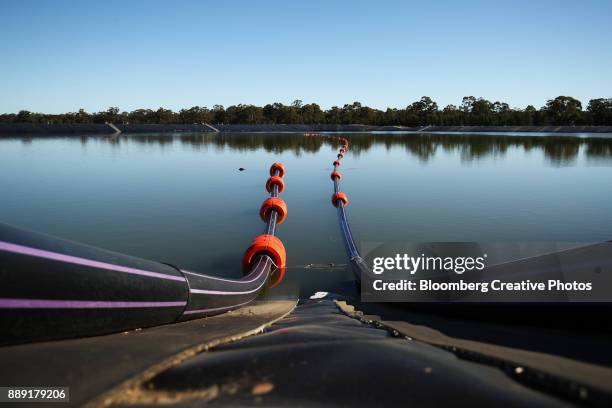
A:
52, 288
318, 357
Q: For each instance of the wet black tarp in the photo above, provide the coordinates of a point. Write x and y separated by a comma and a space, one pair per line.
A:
318, 356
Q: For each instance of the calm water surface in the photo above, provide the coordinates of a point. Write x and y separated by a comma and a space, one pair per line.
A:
180, 198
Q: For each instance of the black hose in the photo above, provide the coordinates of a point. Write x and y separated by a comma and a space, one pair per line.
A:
358, 265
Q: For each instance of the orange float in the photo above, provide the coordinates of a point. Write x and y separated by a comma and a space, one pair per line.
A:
279, 167
336, 163
340, 196
275, 180
276, 204
336, 174
277, 277
266, 244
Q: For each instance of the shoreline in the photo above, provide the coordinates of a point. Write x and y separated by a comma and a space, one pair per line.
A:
15, 129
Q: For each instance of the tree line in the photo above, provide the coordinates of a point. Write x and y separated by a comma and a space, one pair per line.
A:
562, 110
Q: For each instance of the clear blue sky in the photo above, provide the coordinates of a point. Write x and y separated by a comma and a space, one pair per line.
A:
60, 56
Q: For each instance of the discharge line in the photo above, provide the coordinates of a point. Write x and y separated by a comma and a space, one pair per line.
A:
340, 201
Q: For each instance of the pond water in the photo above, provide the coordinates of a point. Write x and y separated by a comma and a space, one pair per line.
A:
180, 198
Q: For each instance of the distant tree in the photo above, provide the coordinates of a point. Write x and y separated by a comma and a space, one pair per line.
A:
218, 114
564, 110
7, 118
388, 117
500, 107
163, 115
112, 114
140, 116
82, 117
287, 114
528, 116
23, 116
451, 116
477, 111
311, 113
245, 114
421, 112
425, 105
333, 115
481, 107
195, 114
466, 103
601, 111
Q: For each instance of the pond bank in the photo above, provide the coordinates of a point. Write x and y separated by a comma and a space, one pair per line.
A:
101, 128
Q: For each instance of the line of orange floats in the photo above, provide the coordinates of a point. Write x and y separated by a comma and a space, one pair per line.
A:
268, 244
337, 196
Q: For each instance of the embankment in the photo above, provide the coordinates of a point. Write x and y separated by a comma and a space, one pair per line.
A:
16, 129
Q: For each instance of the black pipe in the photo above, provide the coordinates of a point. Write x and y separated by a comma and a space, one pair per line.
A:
358, 265
52, 288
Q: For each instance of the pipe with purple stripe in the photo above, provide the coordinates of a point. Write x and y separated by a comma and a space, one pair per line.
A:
52, 288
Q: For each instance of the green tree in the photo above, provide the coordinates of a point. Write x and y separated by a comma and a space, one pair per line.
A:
421, 112
311, 113
218, 114
601, 111
112, 114
23, 116
564, 110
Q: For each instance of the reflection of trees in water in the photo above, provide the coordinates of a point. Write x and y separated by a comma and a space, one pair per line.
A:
599, 148
559, 150
562, 153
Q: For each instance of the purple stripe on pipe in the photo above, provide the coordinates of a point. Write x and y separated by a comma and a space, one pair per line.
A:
225, 280
219, 279
215, 309
6, 303
40, 253
221, 292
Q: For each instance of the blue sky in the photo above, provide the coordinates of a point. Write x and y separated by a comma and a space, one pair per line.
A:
60, 56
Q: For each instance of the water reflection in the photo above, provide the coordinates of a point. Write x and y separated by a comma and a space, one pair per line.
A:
558, 150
